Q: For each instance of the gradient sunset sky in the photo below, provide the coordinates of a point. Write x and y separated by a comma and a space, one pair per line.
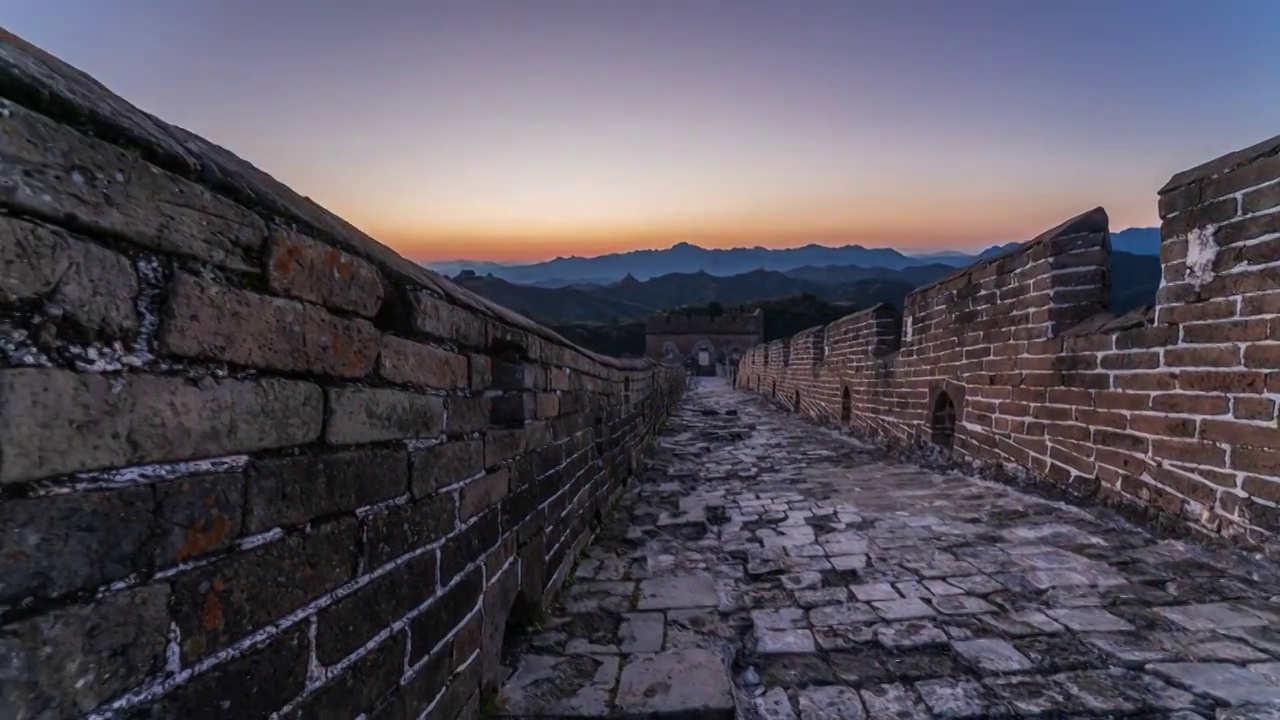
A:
522, 130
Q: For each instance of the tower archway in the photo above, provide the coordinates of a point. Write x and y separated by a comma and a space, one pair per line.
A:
942, 421
846, 407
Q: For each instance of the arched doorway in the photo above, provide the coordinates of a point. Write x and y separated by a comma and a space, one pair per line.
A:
846, 407
795, 401
773, 390
942, 420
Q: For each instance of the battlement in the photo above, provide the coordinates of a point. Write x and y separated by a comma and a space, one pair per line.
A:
1014, 362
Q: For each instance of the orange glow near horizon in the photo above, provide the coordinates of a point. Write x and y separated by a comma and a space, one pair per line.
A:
941, 227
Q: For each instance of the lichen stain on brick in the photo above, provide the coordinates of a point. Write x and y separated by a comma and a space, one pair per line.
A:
286, 262
211, 613
1201, 252
205, 535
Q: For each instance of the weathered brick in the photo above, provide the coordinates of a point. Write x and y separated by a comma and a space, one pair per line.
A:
75, 180
285, 491
410, 363
401, 528
302, 268
1196, 453
514, 375
445, 464
1190, 404
1220, 356
66, 662
446, 613
548, 405
54, 422
365, 415
466, 415
1240, 434
1264, 461
513, 408
483, 493
94, 288
253, 685
217, 604
359, 688
432, 316
1265, 488
481, 371
468, 545
502, 445
1253, 408
345, 626
1262, 357
1161, 425
209, 321
1222, 381
195, 516
1226, 331
1263, 198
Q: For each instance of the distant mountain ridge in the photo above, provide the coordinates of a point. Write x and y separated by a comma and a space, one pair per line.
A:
687, 258
1134, 282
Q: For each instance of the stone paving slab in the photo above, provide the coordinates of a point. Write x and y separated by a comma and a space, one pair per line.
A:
762, 567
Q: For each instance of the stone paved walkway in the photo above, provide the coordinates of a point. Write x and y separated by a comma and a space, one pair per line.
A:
763, 567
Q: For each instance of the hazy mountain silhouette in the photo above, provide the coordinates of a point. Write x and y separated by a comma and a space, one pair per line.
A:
687, 258
1135, 279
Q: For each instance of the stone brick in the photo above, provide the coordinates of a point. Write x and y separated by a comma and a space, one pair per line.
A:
1196, 453
515, 376
54, 422
1240, 434
483, 493
401, 528
1221, 356
548, 405
481, 371
302, 268
435, 317
445, 613
513, 409
502, 445
66, 662
345, 626
218, 604
1190, 404
365, 415
410, 363
1262, 357
1263, 198
1161, 425
195, 516
1224, 381
468, 545
445, 464
92, 287
466, 415
208, 321
1227, 331
285, 491
253, 685
65, 177
359, 688
1254, 408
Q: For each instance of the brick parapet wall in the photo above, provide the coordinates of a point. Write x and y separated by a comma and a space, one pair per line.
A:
1169, 413
251, 461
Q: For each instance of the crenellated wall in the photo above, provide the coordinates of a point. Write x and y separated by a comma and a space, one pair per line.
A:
251, 461
1169, 413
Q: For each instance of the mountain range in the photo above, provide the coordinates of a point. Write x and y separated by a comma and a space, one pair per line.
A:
644, 265
1135, 279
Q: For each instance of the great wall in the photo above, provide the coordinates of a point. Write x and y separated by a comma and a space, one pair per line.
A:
254, 464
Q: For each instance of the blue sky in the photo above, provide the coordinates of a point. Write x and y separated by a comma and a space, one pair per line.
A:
520, 130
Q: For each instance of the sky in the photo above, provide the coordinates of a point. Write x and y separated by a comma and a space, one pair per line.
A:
520, 130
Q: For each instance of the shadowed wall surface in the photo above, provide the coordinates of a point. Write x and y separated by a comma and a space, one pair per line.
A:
251, 461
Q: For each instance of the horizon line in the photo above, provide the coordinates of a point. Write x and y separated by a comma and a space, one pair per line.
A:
925, 253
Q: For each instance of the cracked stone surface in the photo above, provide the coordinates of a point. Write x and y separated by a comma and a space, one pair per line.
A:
762, 567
